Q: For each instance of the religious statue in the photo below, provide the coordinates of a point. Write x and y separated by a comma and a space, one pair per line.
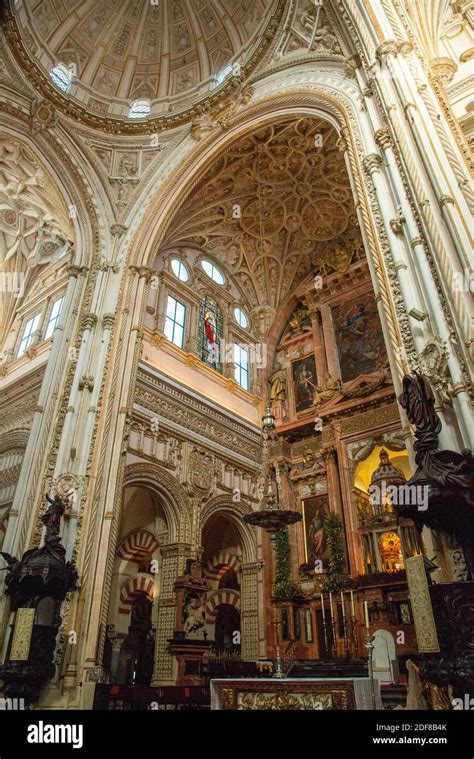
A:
278, 384
194, 618
326, 390
447, 475
308, 458
297, 318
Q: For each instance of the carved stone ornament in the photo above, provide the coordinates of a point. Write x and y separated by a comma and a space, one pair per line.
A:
397, 223
43, 115
433, 363
443, 69
68, 487
86, 382
201, 469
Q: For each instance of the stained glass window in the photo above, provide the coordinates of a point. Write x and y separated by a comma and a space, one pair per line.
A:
210, 333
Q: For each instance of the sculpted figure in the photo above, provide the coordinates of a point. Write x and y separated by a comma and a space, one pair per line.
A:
326, 390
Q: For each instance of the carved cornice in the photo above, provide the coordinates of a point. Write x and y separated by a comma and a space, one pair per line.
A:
178, 406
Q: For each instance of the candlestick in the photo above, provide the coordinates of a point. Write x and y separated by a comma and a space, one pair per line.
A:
342, 605
322, 606
330, 606
366, 613
352, 604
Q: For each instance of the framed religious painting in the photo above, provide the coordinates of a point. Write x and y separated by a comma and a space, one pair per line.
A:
304, 382
315, 510
359, 337
308, 626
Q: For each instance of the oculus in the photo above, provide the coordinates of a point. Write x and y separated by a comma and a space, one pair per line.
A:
179, 269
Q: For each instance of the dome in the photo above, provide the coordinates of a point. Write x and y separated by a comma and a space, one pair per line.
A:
172, 53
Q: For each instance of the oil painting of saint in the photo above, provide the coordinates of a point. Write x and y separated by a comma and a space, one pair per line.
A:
315, 511
305, 381
359, 337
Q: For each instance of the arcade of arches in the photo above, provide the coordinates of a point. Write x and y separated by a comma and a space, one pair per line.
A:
284, 233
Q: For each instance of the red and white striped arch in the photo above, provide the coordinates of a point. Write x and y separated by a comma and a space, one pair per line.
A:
138, 547
220, 563
231, 597
140, 582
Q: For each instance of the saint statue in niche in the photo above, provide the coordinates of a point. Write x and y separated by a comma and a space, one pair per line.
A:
194, 617
317, 537
278, 384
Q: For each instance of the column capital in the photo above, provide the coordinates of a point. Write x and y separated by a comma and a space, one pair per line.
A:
75, 271
108, 321
372, 163
142, 271
387, 47
383, 139
341, 143
444, 200
88, 321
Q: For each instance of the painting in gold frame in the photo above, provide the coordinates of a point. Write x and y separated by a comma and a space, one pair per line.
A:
315, 509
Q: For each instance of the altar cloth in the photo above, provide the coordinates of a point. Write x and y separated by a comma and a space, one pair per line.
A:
294, 694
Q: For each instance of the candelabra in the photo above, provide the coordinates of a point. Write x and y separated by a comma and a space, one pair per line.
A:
369, 644
270, 516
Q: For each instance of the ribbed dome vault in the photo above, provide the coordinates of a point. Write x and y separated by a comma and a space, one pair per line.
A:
167, 51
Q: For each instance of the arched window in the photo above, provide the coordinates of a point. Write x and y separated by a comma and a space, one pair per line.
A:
213, 272
179, 269
223, 74
62, 76
139, 109
241, 318
210, 333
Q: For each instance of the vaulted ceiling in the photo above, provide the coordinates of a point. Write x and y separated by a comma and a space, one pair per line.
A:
275, 206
